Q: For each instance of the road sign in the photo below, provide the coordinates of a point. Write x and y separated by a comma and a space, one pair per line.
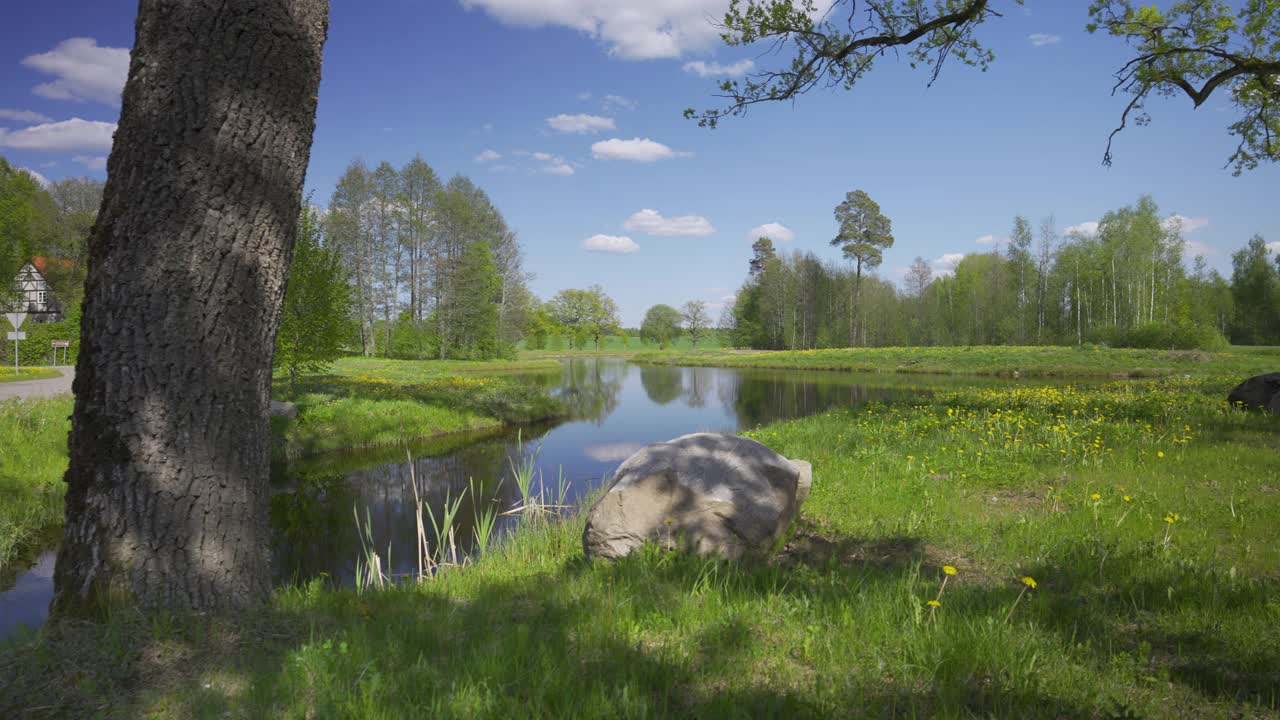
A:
61, 343
16, 319
15, 336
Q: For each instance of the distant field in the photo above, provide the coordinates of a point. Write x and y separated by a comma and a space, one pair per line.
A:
27, 373
614, 345
1039, 361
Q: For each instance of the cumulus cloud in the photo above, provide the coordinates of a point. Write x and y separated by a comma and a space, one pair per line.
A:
1084, 228
618, 102
1042, 39
1188, 224
488, 156
580, 124
93, 162
629, 29
651, 222
23, 116
82, 70
715, 69
612, 244
987, 240
773, 231
1273, 248
946, 264
73, 134
636, 149
42, 180
551, 164
584, 96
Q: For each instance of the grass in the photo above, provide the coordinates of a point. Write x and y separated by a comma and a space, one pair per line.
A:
7, 374
1039, 361
33, 442
366, 403
1144, 516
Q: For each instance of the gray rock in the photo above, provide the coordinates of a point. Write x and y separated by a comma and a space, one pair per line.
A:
284, 409
1261, 392
707, 493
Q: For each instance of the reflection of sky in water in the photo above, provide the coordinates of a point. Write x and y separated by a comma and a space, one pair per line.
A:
615, 408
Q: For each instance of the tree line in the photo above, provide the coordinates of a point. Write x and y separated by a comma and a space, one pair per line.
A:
1125, 284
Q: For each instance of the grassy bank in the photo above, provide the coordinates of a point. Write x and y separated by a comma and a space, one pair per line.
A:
614, 346
7, 374
1056, 361
364, 402
33, 441
1144, 517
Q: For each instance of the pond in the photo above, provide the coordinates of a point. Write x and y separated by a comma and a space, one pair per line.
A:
614, 409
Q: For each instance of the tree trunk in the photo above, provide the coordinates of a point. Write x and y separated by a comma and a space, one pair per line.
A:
167, 487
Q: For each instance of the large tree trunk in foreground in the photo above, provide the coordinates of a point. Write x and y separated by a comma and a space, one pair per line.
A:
167, 487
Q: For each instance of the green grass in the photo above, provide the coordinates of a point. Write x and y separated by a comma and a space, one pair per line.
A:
365, 402
1039, 361
1131, 616
33, 444
7, 374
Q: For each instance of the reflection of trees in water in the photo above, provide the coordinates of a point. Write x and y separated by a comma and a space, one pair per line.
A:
589, 388
699, 382
661, 383
762, 399
314, 525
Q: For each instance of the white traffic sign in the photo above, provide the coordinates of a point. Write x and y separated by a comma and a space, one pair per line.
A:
16, 319
15, 336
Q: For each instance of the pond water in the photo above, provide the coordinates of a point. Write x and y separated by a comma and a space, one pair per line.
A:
614, 409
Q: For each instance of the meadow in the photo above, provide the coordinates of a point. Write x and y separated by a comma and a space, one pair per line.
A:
1000, 360
1098, 551
33, 440
367, 402
22, 374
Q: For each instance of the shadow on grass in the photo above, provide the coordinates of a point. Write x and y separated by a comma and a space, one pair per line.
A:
824, 630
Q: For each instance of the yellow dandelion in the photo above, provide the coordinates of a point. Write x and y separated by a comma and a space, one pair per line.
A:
949, 569
1029, 581
934, 603
1095, 496
1159, 453
1128, 499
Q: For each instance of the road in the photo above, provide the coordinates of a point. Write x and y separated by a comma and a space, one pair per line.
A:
48, 387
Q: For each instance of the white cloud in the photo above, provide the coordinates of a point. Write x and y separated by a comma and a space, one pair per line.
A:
773, 231
615, 102
651, 222
1273, 248
580, 123
636, 149
715, 69
94, 162
23, 116
946, 264
1042, 39
488, 156
42, 180
1084, 228
1195, 247
551, 164
1189, 225
83, 70
73, 134
613, 244
630, 29
584, 96
987, 240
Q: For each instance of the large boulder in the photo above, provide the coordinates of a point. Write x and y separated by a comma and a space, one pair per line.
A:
707, 493
1261, 392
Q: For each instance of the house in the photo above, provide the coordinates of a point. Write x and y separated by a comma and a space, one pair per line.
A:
34, 295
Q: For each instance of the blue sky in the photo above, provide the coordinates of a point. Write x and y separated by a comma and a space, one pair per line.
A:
461, 81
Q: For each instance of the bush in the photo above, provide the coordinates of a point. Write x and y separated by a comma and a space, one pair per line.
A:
37, 348
1162, 336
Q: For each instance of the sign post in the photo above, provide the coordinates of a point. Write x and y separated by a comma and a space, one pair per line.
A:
63, 344
16, 320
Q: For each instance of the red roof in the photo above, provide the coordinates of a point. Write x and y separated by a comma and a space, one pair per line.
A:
42, 263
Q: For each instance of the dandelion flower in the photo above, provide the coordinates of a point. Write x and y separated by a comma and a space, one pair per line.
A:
949, 569
1159, 453
1095, 496
934, 603
1128, 499
1029, 581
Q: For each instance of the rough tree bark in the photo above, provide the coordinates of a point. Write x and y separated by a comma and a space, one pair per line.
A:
167, 486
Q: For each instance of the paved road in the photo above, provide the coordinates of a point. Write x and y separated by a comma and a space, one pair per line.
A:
48, 387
